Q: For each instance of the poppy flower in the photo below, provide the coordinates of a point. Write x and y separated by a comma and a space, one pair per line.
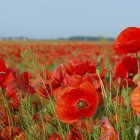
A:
11, 91
10, 79
135, 99
128, 41
77, 66
23, 83
107, 130
126, 69
73, 80
52, 82
3, 71
7, 76
75, 103
57, 76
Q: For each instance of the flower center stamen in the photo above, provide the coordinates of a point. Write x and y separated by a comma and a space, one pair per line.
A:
131, 75
81, 104
2, 73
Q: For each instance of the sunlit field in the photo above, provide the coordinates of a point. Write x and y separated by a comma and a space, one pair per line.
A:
70, 90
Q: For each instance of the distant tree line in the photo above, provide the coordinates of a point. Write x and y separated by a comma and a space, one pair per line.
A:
72, 38
87, 38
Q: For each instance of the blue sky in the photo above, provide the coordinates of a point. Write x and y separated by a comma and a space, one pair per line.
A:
64, 18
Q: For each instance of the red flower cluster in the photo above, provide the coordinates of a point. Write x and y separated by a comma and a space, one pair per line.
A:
73, 88
13, 88
128, 41
78, 98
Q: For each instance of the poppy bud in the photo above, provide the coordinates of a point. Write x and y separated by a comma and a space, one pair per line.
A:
137, 130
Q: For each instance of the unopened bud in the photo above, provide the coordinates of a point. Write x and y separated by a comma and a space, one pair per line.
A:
119, 80
98, 66
99, 59
137, 130
98, 70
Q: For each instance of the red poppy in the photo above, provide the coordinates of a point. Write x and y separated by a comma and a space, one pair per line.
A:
52, 82
126, 69
78, 66
128, 41
3, 71
107, 130
11, 91
7, 77
135, 99
92, 68
75, 103
56, 91
23, 83
57, 76
10, 78
73, 80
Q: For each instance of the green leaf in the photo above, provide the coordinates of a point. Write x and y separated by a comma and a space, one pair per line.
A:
136, 77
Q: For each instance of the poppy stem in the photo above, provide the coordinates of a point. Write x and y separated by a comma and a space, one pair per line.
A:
136, 130
7, 108
138, 63
102, 87
110, 86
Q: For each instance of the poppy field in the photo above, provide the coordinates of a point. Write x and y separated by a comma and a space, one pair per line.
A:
70, 90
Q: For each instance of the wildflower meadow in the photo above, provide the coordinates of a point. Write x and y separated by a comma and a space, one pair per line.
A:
71, 90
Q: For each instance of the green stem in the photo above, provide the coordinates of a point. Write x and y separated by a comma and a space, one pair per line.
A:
138, 63
7, 110
102, 87
7, 107
136, 137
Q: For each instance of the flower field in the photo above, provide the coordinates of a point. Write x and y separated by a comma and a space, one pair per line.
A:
64, 90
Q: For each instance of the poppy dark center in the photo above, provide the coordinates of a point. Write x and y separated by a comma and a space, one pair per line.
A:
131, 75
81, 104
2, 73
